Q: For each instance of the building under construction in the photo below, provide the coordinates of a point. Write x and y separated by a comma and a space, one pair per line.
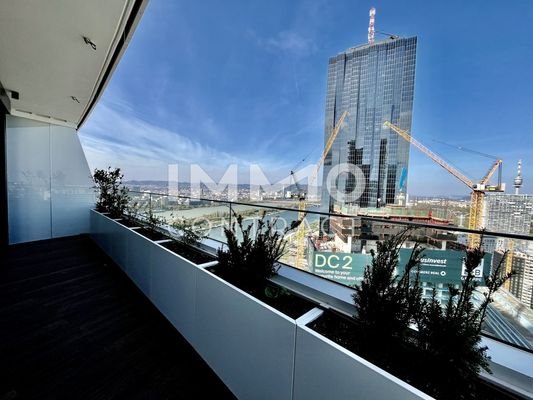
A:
361, 233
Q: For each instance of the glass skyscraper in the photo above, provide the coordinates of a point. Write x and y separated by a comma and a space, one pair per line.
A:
374, 83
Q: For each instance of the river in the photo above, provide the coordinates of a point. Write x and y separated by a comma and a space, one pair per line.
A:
199, 214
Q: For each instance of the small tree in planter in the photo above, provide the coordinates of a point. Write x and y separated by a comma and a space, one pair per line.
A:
252, 259
188, 235
130, 217
152, 225
388, 303
187, 243
249, 262
153, 222
449, 336
442, 355
112, 197
445, 355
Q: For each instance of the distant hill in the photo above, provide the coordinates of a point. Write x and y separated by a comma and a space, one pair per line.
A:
441, 196
187, 184
164, 184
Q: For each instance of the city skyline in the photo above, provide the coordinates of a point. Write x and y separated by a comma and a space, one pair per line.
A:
246, 84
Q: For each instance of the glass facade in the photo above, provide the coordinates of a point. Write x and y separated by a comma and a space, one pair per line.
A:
373, 83
49, 185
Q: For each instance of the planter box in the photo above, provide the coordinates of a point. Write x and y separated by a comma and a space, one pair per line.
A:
110, 236
100, 226
174, 289
325, 370
166, 278
249, 344
257, 351
140, 253
125, 247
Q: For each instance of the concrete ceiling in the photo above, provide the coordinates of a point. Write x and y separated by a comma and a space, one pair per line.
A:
45, 59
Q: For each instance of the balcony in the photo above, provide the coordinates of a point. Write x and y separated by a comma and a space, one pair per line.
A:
78, 321
114, 314
511, 378
76, 327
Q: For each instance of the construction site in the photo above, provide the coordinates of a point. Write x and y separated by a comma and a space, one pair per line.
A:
355, 235
339, 245
342, 253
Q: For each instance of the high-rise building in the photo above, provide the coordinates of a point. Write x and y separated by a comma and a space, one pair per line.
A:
521, 284
374, 83
506, 213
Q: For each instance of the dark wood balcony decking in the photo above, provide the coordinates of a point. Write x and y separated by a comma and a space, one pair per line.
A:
73, 326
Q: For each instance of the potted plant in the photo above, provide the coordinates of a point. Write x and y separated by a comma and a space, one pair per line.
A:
152, 225
386, 303
449, 334
111, 202
250, 259
432, 346
112, 195
130, 216
245, 323
186, 242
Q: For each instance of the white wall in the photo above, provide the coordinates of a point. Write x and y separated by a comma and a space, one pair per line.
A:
48, 178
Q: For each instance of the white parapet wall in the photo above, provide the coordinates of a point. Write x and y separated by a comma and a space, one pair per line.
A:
325, 370
247, 343
257, 351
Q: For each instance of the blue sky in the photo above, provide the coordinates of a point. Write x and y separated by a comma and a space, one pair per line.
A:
223, 82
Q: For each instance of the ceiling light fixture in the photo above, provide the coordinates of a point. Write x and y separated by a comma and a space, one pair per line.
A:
89, 42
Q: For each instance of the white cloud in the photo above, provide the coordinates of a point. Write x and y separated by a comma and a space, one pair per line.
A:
115, 136
290, 41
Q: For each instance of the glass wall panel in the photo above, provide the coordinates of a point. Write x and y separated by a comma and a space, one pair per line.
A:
28, 177
49, 185
72, 193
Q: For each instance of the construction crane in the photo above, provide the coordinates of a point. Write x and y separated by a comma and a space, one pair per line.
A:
479, 153
509, 262
372, 29
478, 189
300, 233
301, 195
390, 35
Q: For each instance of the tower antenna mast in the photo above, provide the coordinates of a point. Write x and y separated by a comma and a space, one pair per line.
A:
518, 180
371, 30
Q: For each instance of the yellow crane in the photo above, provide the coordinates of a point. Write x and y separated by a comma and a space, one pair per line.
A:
301, 195
509, 263
478, 189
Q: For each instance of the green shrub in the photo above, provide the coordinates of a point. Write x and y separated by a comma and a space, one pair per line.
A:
112, 196
252, 259
387, 303
153, 222
188, 235
442, 356
450, 334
